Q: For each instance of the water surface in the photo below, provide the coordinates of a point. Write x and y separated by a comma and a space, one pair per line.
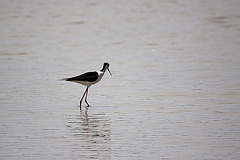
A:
174, 93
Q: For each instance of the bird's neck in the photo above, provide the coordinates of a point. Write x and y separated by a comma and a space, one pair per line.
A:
103, 69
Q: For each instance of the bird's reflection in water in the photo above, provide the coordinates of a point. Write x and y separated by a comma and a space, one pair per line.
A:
92, 133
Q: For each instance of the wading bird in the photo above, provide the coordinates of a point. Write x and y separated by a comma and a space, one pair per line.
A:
88, 79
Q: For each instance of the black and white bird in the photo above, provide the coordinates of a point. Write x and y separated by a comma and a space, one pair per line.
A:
88, 79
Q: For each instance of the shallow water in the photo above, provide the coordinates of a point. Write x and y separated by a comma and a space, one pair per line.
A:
174, 93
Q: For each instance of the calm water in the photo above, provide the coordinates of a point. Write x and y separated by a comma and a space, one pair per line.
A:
174, 93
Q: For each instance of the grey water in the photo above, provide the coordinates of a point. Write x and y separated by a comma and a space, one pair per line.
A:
174, 93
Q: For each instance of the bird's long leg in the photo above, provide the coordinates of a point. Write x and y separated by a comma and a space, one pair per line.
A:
83, 97
86, 97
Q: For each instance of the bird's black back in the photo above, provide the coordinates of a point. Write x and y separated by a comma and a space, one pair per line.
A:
89, 76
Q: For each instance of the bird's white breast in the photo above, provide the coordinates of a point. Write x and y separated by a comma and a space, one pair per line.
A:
100, 75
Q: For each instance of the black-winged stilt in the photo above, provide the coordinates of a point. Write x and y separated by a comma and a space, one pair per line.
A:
88, 79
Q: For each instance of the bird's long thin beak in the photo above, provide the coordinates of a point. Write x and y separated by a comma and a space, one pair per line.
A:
109, 72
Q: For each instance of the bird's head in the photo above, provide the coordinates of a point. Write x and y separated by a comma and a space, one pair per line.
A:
106, 66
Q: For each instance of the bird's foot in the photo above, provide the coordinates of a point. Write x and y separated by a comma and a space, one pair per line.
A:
88, 105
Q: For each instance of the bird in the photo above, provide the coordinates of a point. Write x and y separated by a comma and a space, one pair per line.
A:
88, 79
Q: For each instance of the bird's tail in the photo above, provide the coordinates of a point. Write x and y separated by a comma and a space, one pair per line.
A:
63, 79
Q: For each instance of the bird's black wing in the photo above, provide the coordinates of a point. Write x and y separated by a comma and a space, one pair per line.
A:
89, 76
